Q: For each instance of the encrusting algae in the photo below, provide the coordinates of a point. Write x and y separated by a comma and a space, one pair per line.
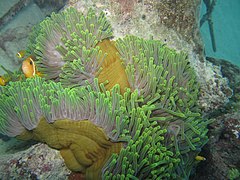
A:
124, 109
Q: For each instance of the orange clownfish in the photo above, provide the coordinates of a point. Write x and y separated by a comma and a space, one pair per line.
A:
2, 81
21, 54
29, 68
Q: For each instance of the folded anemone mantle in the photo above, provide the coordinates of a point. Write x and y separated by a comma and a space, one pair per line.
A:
125, 109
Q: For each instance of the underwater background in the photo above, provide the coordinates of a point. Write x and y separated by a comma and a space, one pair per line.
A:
226, 31
176, 24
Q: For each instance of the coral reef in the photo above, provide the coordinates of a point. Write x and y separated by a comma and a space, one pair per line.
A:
223, 148
232, 73
215, 91
55, 5
115, 109
37, 162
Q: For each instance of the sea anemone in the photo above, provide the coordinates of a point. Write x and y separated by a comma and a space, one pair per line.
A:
66, 37
124, 109
64, 119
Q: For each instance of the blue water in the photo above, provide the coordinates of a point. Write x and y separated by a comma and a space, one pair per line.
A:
226, 23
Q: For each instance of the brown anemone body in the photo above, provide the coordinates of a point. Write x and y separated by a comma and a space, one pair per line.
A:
113, 70
84, 147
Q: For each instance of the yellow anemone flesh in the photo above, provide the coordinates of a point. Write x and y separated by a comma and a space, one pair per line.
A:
84, 146
113, 71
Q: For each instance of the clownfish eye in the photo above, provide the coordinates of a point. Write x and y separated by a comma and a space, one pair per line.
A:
31, 63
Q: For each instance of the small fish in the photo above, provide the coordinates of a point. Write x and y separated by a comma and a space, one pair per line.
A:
200, 158
21, 54
8, 76
2, 81
29, 68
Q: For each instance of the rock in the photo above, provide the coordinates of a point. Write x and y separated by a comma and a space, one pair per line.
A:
5, 6
5, 61
232, 73
28, 16
14, 36
229, 70
223, 149
215, 91
37, 162
10, 8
